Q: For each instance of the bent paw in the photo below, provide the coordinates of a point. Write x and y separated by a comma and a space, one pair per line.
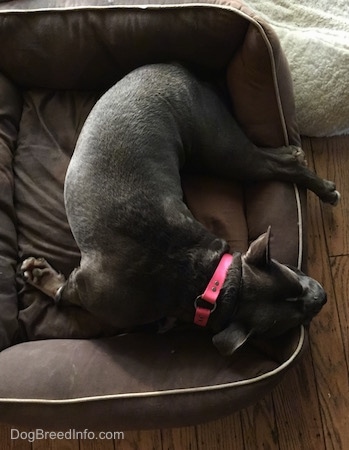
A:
38, 273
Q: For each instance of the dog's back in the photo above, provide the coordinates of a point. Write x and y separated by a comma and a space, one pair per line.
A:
126, 166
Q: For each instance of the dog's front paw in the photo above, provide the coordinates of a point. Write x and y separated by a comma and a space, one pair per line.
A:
38, 273
331, 196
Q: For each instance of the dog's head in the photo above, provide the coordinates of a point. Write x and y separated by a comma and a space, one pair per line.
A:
273, 299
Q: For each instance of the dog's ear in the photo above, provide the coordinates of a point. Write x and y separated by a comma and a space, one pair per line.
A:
258, 253
230, 339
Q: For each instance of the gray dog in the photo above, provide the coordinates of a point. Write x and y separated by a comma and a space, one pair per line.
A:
143, 255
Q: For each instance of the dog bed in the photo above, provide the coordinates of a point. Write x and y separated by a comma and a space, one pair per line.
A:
315, 37
58, 367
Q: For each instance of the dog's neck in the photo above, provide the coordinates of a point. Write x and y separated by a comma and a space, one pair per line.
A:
226, 303
213, 289
228, 299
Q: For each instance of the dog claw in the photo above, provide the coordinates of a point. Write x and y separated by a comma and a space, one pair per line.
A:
26, 276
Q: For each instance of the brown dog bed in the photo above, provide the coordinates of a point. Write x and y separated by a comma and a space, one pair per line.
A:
59, 368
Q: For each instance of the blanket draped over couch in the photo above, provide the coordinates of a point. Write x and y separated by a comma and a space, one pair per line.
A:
315, 37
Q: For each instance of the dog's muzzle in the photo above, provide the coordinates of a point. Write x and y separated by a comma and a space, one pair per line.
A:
314, 297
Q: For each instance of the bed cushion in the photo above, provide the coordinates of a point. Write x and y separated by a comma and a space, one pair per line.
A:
71, 369
135, 381
10, 113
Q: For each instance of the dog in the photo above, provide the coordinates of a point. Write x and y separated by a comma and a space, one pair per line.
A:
143, 255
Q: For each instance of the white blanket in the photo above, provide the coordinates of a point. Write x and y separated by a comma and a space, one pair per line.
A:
315, 37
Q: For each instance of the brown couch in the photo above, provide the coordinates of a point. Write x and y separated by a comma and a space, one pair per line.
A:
58, 367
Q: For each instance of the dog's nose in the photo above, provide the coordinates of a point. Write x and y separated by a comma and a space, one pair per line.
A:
314, 299
323, 300
319, 293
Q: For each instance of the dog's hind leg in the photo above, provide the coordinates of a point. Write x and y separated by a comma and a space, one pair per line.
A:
250, 163
289, 164
225, 150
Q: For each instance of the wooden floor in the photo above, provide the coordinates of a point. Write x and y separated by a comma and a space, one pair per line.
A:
310, 408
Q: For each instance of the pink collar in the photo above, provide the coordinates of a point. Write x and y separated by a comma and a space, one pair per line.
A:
212, 291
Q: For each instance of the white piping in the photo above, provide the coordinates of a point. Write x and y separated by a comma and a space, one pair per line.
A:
132, 395
300, 227
130, 6
125, 6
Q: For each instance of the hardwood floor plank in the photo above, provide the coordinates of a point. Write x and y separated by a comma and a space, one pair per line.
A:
97, 444
259, 426
326, 341
224, 434
340, 273
18, 441
56, 444
338, 384
140, 440
298, 419
179, 439
331, 158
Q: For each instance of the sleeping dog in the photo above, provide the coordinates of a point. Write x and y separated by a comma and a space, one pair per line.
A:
143, 255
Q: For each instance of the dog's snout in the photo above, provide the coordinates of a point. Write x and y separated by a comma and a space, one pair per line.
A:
314, 298
321, 298
318, 293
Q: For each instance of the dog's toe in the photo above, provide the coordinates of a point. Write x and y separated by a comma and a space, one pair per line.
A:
332, 197
37, 273
26, 275
27, 263
299, 155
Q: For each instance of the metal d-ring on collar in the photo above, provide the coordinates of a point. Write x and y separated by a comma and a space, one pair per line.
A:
212, 291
